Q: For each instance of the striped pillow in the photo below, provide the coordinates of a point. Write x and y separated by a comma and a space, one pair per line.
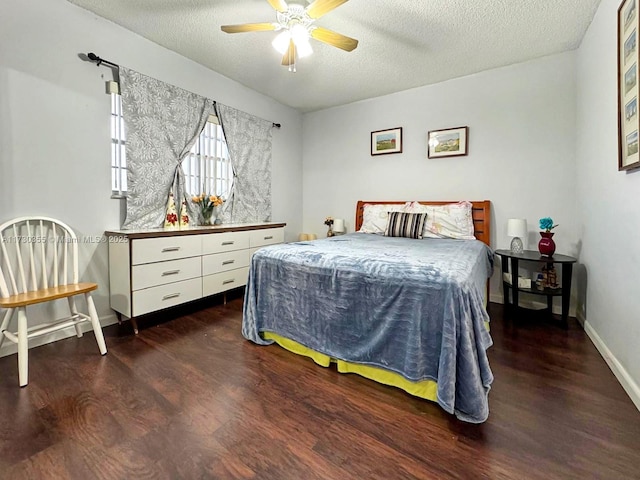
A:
409, 225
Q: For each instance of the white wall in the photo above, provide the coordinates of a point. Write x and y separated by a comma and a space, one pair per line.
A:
54, 121
609, 213
521, 122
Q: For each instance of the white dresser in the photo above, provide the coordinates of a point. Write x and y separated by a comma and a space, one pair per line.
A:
150, 270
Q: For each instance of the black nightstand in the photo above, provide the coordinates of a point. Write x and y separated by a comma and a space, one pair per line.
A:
533, 256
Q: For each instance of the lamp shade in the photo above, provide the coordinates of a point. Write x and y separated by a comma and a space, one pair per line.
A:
517, 227
338, 225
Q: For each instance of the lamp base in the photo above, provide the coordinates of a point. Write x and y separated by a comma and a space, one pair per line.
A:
516, 245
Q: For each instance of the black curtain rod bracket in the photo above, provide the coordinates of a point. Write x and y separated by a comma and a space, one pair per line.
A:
99, 61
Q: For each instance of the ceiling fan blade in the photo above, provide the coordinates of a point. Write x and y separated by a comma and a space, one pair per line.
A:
334, 39
279, 5
248, 27
322, 7
290, 55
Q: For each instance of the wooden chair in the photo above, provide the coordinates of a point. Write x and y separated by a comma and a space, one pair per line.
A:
39, 263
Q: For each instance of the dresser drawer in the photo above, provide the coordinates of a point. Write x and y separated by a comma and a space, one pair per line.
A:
224, 242
161, 273
164, 296
148, 250
220, 282
266, 236
222, 262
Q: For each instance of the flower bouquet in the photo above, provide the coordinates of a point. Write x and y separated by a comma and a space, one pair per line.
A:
207, 204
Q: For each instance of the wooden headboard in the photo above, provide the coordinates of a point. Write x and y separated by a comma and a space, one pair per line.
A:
481, 217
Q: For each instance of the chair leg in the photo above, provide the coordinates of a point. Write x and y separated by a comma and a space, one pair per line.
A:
74, 311
23, 347
5, 324
95, 321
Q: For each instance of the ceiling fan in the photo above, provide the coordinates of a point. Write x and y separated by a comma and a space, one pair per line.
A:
295, 22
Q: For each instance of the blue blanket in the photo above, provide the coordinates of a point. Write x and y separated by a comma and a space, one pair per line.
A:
414, 307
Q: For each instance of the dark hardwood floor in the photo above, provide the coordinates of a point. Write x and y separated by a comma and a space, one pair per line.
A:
190, 398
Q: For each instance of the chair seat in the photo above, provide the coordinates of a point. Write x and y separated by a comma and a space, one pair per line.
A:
46, 295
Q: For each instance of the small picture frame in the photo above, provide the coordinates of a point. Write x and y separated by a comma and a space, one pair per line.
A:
384, 142
628, 90
450, 142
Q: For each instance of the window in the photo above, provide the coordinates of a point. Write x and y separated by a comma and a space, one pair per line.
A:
118, 155
206, 167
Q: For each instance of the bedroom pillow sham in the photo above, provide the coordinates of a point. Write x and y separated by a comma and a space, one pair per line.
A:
375, 216
452, 220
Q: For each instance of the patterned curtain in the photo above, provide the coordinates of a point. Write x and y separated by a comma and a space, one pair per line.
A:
162, 124
249, 144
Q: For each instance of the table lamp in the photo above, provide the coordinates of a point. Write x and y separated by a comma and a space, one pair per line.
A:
338, 225
517, 228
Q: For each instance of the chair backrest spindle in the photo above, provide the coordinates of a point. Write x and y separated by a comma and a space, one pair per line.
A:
64, 261
22, 278
30, 238
43, 258
74, 256
55, 255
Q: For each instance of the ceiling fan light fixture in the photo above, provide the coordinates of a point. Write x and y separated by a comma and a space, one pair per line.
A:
304, 48
281, 42
299, 33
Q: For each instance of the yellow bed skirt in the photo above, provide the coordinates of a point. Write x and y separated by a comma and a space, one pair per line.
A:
426, 389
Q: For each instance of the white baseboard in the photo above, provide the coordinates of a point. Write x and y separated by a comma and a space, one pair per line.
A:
629, 385
9, 348
621, 374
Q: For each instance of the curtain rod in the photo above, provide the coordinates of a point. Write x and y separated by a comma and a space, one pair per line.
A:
100, 61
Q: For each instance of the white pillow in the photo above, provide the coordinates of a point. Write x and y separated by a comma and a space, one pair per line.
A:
453, 220
375, 216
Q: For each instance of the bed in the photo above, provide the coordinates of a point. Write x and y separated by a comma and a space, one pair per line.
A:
403, 312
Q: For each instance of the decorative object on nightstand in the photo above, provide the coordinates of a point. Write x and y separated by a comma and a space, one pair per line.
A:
307, 237
546, 245
548, 278
338, 225
329, 222
517, 228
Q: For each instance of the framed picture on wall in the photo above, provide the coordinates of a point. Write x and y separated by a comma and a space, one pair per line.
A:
628, 155
451, 142
384, 142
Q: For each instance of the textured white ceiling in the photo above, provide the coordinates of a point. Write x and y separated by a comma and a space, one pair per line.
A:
403, 43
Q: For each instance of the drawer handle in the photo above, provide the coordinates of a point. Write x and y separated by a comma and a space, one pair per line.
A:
170, 272
269, 237
170, 296
227, 282
227, 243
228, 262
170, 249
